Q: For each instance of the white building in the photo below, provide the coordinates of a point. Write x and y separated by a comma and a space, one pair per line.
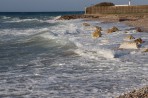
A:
129, 3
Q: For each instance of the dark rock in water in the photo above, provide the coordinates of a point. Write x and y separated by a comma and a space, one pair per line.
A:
86, 24
141, 93
113, 29
98, 28
139, 29
69, 17
138, 41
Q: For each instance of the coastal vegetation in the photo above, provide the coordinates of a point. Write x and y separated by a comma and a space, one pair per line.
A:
105, 4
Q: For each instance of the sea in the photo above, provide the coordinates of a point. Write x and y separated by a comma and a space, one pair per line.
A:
43, 57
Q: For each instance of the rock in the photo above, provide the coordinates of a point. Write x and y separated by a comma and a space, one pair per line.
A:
139, 29
96, 34
138, 41
69, 17
113, 29
145, 50
86, 24
129, 45
109, 31
128, 38
98, 28
140, 93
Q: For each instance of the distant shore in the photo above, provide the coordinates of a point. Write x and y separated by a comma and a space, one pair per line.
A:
140, 21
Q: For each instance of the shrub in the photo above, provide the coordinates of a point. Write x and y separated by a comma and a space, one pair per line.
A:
105, 4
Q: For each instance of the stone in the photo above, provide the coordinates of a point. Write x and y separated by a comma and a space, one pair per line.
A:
138, 41
139, 29
129, 45
96, 34
113, 29
86, 24
145, 50
139, 93
98, 28
109, 31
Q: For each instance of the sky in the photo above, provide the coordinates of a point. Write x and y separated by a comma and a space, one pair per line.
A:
56, 5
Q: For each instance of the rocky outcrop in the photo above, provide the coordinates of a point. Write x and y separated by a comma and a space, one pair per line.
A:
69, 17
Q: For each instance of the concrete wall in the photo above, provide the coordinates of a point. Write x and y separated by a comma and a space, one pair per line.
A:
117, 9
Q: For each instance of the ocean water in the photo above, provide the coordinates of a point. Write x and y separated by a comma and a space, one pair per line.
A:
41, 57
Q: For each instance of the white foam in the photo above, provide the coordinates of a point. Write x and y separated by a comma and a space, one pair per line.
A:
17, 20
16, 32
57, 17
5, 17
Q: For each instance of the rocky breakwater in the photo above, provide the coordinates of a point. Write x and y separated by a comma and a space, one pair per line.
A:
82, 16
140, 93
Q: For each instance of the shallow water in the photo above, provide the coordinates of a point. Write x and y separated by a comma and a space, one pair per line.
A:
46, 58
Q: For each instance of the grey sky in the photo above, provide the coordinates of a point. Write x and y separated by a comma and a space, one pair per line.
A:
55, 5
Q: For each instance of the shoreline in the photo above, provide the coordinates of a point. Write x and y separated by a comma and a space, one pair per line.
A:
137, 21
